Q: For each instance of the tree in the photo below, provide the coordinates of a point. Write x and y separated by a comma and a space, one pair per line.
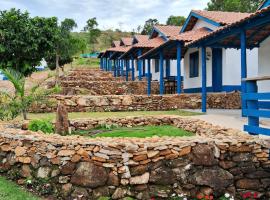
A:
234, 5
62, 40
176, 20
24, 42
93, 32
148, 26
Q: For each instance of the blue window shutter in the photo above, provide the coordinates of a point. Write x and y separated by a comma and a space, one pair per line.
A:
194, 65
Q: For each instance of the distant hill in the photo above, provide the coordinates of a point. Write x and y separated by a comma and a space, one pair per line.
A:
104, 40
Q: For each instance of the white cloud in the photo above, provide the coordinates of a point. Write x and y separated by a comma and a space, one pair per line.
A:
110, 13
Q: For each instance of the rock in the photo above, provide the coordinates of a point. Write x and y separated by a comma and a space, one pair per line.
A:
127, 100
162, 176
203, 155
160, 191
101, 192
89, 175
258, 174
68, 168
242, 157
55, 172
151, 154
63, 179
138, 170
139, 180
248, 184
62, 123
119, 193
65, 153
140, 158
26, 171
20, 151
43, 172
80, 194
66, 189
218, 179
75, 158
227, 164
113, 180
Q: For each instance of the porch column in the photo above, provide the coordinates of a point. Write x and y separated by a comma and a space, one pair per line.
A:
105, 64
122, 67
143, 68
132, 70
140, 64
243, 66
168, 68
179, 81
114, 68
117, 68
161, 67
204, 89
100, 63
149, 77
127, 69
110, 65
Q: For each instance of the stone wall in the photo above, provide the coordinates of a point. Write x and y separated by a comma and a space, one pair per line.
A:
141, 102
213, 162
110, 87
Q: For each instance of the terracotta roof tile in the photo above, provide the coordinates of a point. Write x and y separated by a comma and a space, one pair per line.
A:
127, 41
142, 38
252, 15
223, 18
150, 43
169, 30
191, 35
118, 49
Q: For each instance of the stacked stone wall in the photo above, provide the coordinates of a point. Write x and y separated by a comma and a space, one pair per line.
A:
215, 161
83, 103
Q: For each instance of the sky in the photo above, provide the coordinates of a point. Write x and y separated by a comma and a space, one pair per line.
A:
111, 14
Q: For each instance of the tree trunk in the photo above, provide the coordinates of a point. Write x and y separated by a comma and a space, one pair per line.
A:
57, 70
24, 114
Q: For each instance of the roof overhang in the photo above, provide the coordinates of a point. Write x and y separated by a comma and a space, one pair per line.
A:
257, 28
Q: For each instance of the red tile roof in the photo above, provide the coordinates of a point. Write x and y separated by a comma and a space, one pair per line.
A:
250, 16
118, 49
191, 35
142, 38
223, 18
169, 30
150, 43
127, 41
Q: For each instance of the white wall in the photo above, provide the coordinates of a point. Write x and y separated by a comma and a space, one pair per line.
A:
196, 82
200, 24
264, 65
231, 69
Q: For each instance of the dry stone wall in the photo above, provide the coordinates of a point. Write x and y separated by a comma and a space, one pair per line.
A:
110, 87
213, 162
105, 103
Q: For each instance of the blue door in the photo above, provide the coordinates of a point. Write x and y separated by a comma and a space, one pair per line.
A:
217, 69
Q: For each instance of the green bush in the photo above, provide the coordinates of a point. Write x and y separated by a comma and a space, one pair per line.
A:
41, 125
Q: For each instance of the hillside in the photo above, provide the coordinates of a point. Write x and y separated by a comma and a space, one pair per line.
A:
104, 40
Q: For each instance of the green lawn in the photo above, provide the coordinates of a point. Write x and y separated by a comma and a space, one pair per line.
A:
138, 132
85, 115
10, 191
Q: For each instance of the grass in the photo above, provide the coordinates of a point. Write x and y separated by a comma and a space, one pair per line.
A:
137, 132
10, 191
85, 115
87, 62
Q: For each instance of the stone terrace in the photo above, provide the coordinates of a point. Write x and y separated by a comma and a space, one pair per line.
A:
217, 160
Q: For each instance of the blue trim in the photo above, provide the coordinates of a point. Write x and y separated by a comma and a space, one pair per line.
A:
115, 68
192, 14
140, 64
265, 4
204, 79
127, 69
132, 70
149, 78
161, 66
243, 66
254, 130
217, 69
179, 78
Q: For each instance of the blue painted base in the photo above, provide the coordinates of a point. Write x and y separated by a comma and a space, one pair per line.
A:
225, 88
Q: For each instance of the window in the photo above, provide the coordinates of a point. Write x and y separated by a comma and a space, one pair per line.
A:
136, 65
194, 65
156, 65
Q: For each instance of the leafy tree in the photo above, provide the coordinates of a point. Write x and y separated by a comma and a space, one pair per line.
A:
93, 32
148, 26
176, 20
24, 42
234, 5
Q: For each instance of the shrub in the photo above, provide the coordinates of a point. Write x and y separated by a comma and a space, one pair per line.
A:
41, 125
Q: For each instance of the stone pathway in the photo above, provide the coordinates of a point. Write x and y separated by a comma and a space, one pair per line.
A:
227, 118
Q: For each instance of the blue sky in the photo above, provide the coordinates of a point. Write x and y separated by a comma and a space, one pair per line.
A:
124, 14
